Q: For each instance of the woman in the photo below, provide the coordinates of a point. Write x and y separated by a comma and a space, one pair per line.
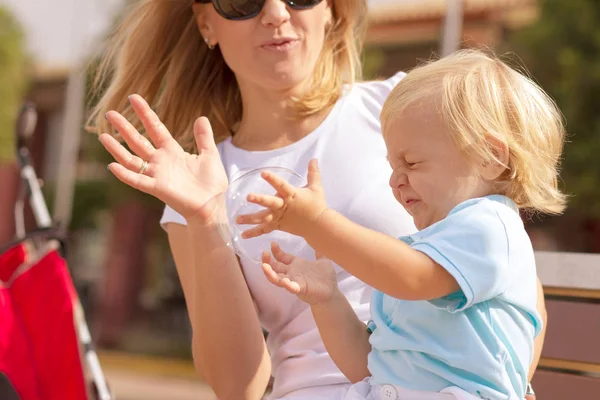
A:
275, 80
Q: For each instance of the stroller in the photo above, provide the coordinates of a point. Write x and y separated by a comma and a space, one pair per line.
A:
46, 351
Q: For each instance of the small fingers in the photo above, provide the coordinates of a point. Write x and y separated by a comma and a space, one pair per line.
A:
278, 267
284, 189
261, 217
290, 286
266, 257
271, 202
281, 255
314, 174
259, 230
280, 279
270, 273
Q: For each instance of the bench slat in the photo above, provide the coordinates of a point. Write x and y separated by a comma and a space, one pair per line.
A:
559, 386
573, 331
572, 293
568, 270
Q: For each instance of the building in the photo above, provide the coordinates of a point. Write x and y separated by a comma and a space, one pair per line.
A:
406, 31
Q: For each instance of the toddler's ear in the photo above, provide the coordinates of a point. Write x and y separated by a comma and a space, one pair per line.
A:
492, 169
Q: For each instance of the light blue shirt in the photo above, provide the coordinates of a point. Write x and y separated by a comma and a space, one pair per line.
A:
479, 338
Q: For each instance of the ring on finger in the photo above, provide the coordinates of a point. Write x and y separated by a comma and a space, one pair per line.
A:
143, 168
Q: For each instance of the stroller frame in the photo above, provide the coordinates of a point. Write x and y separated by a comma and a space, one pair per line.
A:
44, 233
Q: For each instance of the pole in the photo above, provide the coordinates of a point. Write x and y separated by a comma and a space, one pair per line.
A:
69, 148
453, 24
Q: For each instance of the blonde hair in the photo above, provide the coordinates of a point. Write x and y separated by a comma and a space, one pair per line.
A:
482, 99
157, 51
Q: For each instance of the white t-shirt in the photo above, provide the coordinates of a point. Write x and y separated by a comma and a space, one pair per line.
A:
355, 174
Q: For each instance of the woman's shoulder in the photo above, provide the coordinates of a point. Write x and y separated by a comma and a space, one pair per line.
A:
365, 99
378, 90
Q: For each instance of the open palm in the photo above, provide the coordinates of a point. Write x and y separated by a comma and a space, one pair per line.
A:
189, 183
313, 282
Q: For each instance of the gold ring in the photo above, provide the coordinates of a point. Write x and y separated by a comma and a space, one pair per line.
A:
143, 168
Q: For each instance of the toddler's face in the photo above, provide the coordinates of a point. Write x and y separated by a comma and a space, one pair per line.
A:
430, 174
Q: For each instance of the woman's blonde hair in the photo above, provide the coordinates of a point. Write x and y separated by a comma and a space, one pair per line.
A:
481, 100
157, 51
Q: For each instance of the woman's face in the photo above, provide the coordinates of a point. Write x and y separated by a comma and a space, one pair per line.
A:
276, 50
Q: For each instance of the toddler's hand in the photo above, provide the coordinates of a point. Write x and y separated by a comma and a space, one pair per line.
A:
314, 282
292, 210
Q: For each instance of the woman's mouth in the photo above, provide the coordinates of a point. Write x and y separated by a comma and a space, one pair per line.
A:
280, 45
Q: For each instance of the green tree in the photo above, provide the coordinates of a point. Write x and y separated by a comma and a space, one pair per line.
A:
12, 81
373, 59
562, 52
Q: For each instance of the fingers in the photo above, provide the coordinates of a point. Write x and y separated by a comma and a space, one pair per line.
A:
284, 189
258, 230
121, 154
266, 257
156, 130
136, 142
314, 174
276, 266
261, 217
290, 286
280, 279
270, 202
281, 255
203, 134
137, 181
271, 275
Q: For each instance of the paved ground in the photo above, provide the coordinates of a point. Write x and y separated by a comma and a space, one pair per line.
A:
135, 377
136, 386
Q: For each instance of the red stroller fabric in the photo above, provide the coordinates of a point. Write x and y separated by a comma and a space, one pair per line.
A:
10, 261
16, 357
42, 299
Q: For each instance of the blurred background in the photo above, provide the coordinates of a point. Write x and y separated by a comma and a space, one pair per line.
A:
117, 253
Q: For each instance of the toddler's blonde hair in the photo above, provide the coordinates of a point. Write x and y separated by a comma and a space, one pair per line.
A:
481, 98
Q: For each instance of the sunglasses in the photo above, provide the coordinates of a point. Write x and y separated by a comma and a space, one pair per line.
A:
237, 10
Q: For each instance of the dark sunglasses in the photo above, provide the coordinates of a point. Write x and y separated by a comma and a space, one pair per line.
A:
237, 10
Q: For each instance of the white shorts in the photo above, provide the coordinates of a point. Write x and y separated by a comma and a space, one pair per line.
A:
329, 392
365, 391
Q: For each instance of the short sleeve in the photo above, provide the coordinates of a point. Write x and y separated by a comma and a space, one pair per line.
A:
171, 216
472, 245
378, 91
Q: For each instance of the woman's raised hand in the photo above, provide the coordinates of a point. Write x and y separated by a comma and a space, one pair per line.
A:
190, 184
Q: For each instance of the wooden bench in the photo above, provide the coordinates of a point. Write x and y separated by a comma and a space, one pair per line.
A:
570, 364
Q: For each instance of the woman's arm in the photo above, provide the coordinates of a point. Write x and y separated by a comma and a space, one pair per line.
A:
218, 299
539, 340
221, 312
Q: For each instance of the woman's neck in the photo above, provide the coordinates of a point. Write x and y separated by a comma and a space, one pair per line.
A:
268, 122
